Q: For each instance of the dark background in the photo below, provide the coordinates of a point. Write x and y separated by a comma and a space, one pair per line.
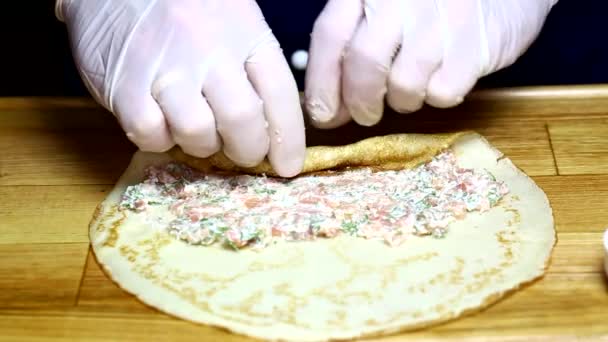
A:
36, 58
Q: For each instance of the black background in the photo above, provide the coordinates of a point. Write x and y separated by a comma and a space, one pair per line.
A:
36, 59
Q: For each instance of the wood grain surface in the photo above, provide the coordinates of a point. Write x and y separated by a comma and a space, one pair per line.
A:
60, 157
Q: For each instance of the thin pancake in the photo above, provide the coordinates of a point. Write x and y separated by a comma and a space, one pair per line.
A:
339, 288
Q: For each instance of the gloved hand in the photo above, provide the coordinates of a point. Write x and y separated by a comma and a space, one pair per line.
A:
410, 52
202, 74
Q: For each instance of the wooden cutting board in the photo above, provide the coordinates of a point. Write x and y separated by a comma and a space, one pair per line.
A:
59, 158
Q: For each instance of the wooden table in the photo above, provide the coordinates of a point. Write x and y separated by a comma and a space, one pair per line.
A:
59, 158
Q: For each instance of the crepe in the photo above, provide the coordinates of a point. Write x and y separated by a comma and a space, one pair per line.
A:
344, 287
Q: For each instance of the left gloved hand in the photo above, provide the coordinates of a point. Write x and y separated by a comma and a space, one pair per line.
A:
411, 52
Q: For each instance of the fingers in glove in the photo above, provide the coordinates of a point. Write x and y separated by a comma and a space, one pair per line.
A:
368, 60
189, 116
142, 120
332, 32
239, 113
418, 58
463, 55
343, 117
271, 77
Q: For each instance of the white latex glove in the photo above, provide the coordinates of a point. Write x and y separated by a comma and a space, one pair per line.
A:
410, 52
202, 74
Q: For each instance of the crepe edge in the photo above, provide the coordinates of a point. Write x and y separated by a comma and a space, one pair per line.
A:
452, 139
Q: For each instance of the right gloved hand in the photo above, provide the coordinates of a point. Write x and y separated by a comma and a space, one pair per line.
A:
206, 75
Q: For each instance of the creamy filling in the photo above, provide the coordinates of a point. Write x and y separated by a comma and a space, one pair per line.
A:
255, 211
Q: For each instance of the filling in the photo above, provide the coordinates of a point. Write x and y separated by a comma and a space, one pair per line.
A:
255, 211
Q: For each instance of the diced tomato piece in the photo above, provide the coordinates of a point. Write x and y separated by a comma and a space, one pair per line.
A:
253, 202
308, 199
276, 231
140, 204
235, 237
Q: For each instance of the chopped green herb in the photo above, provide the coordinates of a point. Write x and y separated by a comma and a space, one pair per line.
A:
222, 230
265, 191
231, 244
350, 227
491, 175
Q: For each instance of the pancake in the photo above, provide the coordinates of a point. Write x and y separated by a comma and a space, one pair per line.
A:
341, 287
